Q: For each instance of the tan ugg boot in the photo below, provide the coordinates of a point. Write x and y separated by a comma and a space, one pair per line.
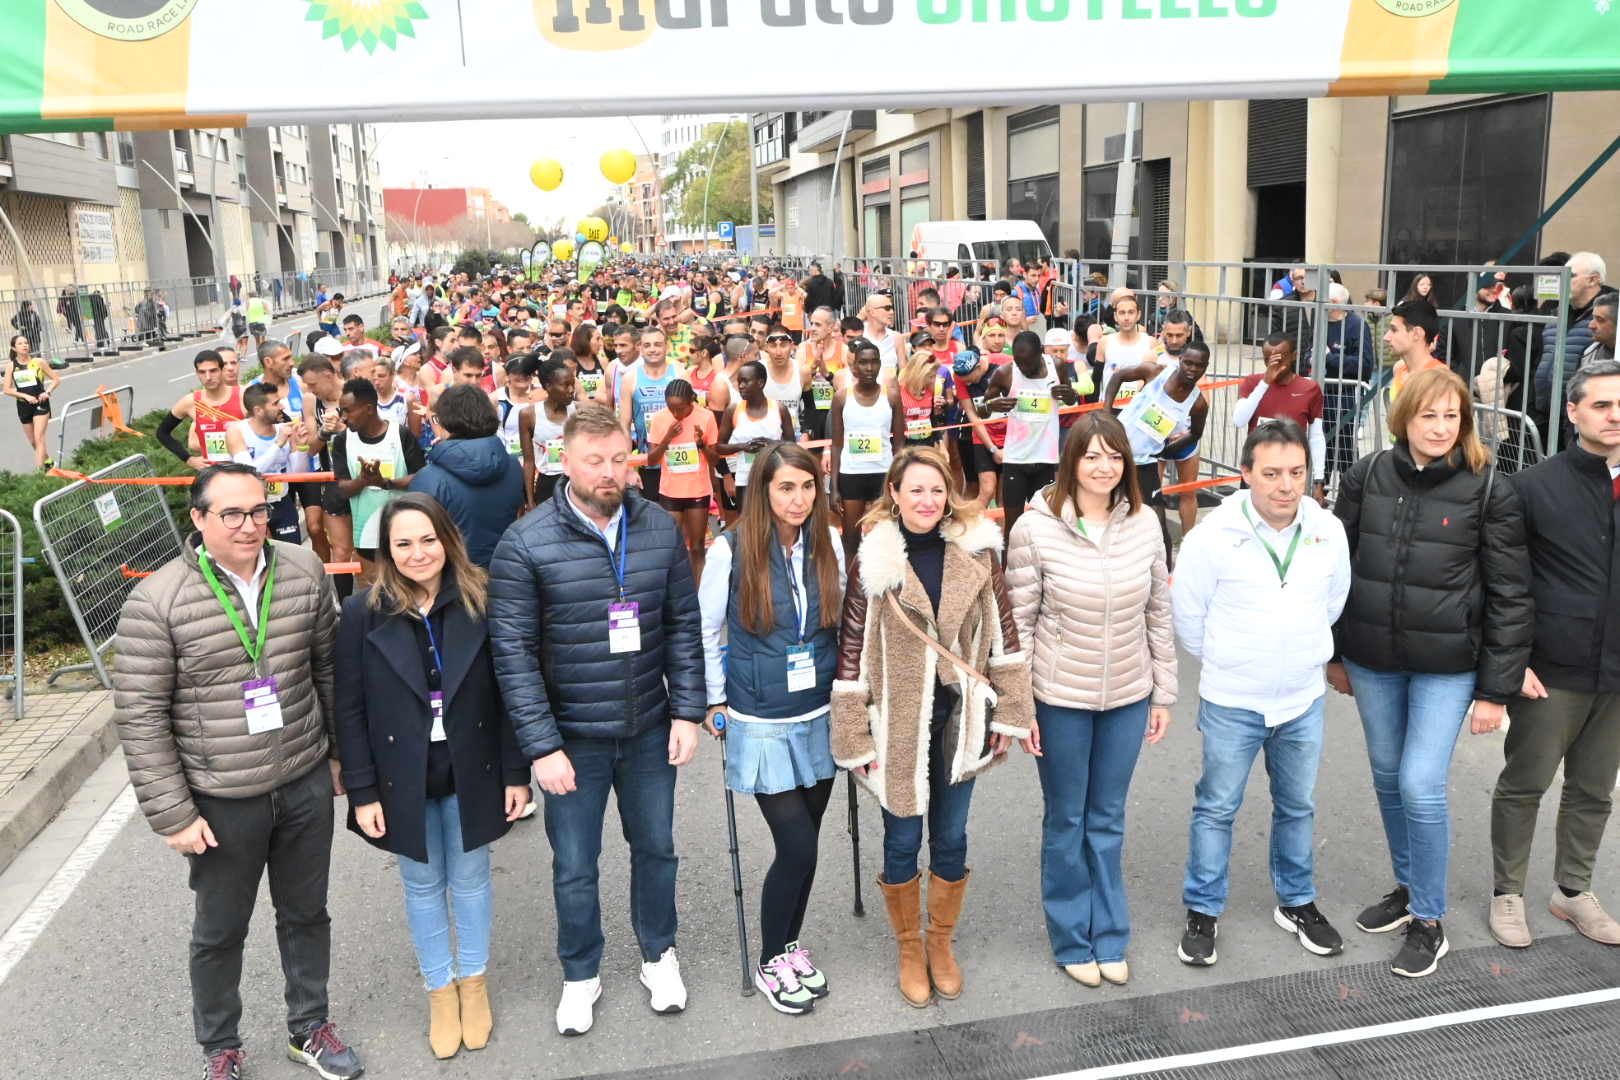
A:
476, 1020
944, 908
905, 916
444, 1021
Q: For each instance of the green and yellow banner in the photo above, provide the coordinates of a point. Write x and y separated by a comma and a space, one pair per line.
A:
98, 64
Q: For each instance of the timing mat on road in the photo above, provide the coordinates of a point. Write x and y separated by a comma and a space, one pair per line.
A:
1551, 1010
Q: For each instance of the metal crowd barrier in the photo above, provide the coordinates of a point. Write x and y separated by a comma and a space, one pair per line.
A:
85, 417
11, 609
91, 533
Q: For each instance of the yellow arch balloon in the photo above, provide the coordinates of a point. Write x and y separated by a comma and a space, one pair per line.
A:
563, 249
594, 228
547, 174
627, 247
618, 166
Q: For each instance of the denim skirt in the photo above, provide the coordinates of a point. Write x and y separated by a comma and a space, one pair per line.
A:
766, 758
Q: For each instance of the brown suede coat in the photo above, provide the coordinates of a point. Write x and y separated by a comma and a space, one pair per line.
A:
883, 698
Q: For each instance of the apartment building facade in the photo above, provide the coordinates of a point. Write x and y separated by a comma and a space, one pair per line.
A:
1430, 180
161, 206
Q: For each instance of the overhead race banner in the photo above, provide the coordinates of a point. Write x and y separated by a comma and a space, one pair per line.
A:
101, 64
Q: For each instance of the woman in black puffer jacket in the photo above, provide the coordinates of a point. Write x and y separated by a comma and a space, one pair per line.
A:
1439, 619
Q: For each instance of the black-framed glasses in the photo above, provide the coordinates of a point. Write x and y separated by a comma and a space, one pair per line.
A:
234, 519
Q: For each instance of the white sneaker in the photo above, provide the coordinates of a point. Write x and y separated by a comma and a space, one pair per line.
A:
576, 1012
666, 992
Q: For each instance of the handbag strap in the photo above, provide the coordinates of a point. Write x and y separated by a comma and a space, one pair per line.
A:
946, 654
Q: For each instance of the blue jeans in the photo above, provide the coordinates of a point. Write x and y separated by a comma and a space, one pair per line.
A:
638, 772
1086, 765
1411, 723
947, 815
472, 898
1232, 739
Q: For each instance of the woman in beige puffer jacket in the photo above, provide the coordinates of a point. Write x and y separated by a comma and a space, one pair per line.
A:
1090, 592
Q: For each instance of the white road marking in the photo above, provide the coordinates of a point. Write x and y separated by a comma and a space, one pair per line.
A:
16, 942
1336, 1038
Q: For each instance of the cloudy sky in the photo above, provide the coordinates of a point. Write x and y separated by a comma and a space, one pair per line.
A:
496, 154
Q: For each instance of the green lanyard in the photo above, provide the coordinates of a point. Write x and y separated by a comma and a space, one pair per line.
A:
253, 648
1282, 564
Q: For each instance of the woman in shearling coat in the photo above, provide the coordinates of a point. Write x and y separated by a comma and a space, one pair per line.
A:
931, 689
1090, 590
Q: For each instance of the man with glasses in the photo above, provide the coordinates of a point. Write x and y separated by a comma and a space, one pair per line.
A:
879, 316
229, 734
556, 337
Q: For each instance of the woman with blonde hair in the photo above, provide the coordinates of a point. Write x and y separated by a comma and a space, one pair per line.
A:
420, 723
923, 384
1437, 626
932, 689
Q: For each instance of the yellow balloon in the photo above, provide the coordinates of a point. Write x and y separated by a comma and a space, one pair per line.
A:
547, 174
627, 247
618, 166
594, 228
613, 241
563, 249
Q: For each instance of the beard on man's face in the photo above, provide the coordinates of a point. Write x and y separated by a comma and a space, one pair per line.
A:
600, 501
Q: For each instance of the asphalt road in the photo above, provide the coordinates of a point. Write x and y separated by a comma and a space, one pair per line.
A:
103, 991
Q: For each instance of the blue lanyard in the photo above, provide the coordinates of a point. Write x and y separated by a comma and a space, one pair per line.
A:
793, 591
619, 557
433, 643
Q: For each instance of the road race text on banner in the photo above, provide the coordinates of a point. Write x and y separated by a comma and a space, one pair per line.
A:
102, 64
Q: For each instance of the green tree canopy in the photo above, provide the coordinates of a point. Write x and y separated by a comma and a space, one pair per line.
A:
727, 187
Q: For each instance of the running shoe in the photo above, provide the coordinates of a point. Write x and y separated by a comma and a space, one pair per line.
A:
1388, 914
1198, 943
1316, 935
809, 975
780, 984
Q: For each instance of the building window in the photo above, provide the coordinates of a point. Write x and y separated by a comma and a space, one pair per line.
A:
65, 138
1462, 182
1032, 169
875, 231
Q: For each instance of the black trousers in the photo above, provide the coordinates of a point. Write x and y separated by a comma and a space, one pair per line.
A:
288, 831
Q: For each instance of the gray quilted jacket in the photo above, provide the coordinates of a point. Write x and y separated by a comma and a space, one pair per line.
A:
177, 686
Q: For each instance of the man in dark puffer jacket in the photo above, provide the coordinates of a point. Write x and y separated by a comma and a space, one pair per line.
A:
597, 638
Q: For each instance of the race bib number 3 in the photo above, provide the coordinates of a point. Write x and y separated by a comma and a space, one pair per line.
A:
1156, 422
683, 458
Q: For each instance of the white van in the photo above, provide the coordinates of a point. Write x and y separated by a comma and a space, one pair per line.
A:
963, 242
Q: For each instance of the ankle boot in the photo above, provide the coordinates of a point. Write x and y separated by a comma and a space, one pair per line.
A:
905, 916
444, 1021
476, 1020
944, 908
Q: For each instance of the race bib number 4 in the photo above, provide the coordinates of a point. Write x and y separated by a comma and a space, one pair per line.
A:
683, 458
1035, 402
863, 445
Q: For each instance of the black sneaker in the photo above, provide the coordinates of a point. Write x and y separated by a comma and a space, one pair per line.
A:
1388, 914
1315, 933
322, 1050
1198, 943
225, 1064
1420, 954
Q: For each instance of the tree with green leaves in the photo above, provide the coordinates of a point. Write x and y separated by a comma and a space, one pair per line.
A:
727, 185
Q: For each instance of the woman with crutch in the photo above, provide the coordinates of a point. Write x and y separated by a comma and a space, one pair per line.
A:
773, 588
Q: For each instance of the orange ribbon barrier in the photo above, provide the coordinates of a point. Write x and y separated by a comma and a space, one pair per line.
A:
331, 568
112, 412
185, 481
1198, 485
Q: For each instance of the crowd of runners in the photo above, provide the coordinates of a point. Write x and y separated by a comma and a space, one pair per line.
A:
599, 515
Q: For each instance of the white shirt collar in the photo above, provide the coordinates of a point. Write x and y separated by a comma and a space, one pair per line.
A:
610, 534
1260, 522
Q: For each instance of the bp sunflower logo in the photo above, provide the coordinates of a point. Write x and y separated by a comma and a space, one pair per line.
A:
368, 23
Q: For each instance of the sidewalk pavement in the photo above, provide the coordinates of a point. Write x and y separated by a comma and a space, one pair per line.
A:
45, 757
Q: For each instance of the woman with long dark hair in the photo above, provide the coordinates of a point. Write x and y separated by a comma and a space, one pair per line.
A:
774, 584
420, 723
